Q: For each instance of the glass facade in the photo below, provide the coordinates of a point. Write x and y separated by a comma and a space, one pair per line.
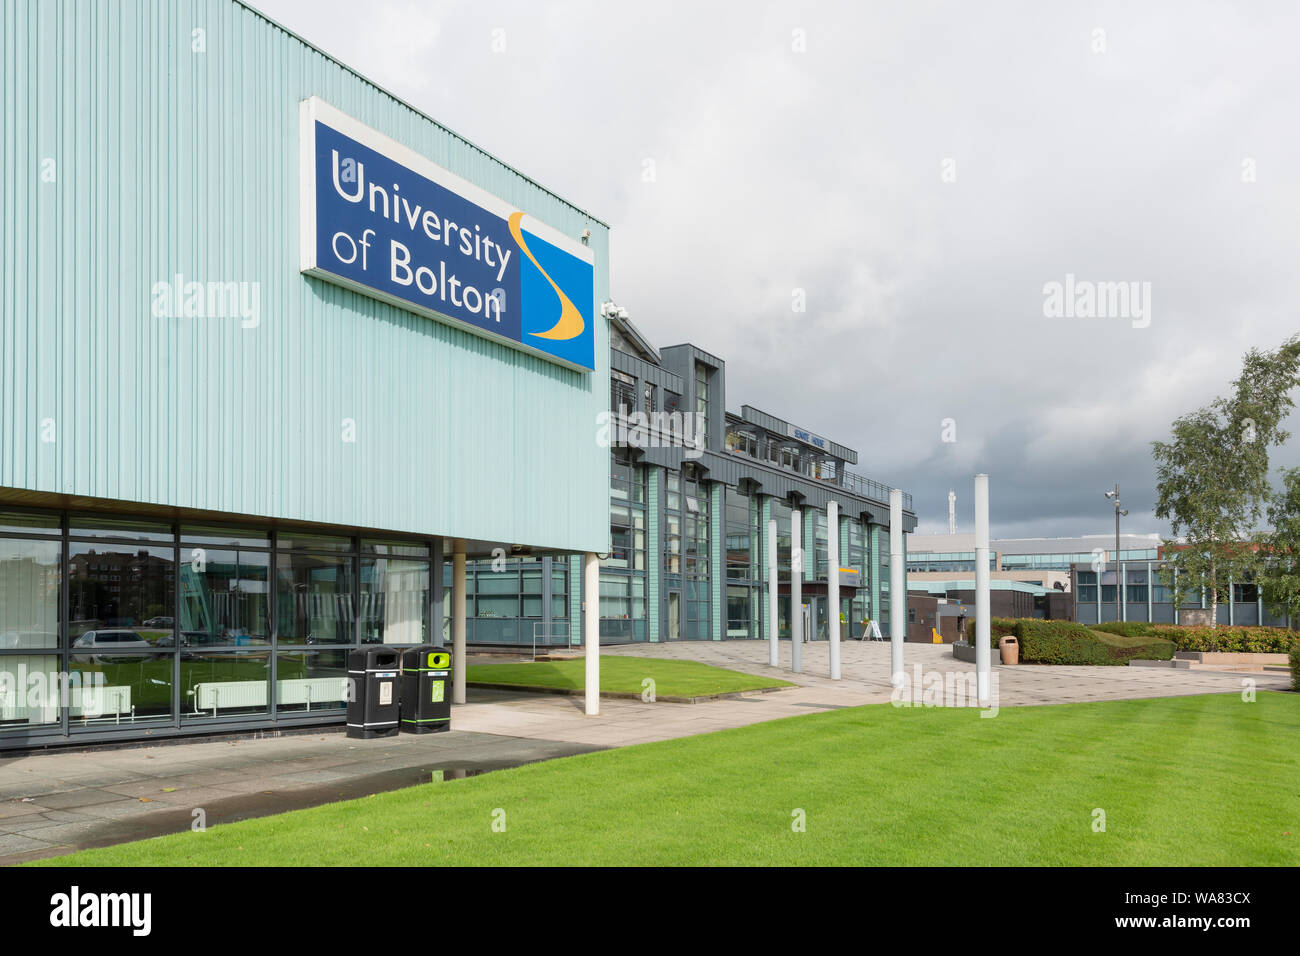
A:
742, 542
694, 581
506, 601
946, 562
109, 623
181, 625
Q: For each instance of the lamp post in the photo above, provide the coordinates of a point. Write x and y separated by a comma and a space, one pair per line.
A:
1118, 583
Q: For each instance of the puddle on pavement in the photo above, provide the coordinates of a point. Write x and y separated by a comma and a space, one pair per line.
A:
247, 806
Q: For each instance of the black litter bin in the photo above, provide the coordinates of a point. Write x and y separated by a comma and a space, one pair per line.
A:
373, 701
426, 689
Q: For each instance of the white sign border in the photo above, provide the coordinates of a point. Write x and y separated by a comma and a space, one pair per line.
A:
314, 108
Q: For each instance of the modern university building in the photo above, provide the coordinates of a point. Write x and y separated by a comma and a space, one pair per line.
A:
692, 490
287, 368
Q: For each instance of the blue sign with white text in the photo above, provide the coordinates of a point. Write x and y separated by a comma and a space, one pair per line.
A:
386, 229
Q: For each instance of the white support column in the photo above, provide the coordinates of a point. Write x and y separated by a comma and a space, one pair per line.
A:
982, 623
773, 623
897, 592
833, 583
591, 630
458, 622
796, 591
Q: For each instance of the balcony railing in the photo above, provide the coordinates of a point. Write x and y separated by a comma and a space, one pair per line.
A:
874, 490
813, 469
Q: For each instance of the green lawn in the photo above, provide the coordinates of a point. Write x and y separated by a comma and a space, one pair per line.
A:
623, 675
1206, 780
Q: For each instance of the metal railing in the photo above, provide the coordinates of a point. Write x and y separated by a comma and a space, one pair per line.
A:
760, 451
874, 490
553, 635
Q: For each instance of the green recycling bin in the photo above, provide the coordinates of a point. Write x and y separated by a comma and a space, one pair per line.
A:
426, 689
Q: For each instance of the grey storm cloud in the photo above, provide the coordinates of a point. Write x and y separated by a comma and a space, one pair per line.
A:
921, 171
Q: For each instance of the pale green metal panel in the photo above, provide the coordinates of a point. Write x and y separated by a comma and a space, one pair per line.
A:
169, 161
717, 560
809, 532
874, 532
654, 553
577, 583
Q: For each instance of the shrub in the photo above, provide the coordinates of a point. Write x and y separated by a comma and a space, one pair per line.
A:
998, 627
1064, 642
1128, 628
1237, 640
1295, 667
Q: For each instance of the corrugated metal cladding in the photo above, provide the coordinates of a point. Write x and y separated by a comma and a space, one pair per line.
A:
162, 160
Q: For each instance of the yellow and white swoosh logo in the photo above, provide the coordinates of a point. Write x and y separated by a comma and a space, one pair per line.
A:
570, 325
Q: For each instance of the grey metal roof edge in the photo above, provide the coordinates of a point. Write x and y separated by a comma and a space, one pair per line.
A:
781, 483
632, 332
696, 352
415, 109
780, 426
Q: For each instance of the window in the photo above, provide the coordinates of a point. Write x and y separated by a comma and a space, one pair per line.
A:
737, 611
29, 593
222, 685
738, 540
225, 597
144, 605
394, 601
121, 684
310, 681
702, 401
314, 598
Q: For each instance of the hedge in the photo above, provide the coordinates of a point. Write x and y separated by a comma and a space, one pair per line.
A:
1295, 667
1128, 628
998, 627
1064, 642
1237, 640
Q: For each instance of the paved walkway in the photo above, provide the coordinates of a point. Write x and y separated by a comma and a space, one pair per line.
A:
865, 669
55, 802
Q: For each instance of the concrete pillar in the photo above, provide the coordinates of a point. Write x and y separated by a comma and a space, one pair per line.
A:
982, 622
796, 591
458, 622
591, 630
897, 592
773, 584
833, 583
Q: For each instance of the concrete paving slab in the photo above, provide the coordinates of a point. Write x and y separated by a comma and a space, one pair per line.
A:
73, 799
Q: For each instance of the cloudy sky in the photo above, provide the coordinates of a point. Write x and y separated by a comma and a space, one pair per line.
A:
921, 171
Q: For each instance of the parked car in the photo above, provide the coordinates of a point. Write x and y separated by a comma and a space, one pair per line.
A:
110, 640
160, 622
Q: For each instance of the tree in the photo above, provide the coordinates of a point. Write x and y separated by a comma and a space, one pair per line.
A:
1212, 476
1279, 573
